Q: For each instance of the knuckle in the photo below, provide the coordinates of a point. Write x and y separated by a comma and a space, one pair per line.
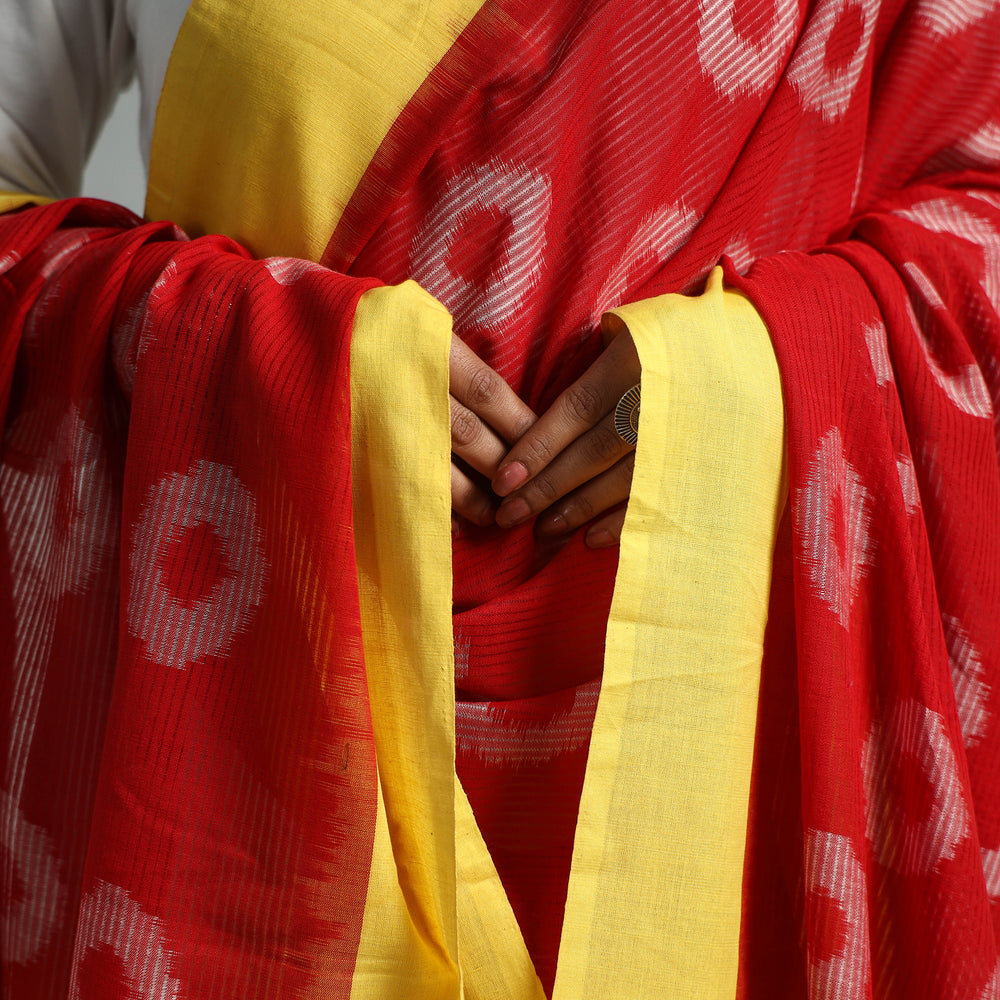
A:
483, 386
546, 489
604, 444
522, 427
538, 452
583, 402
465, 426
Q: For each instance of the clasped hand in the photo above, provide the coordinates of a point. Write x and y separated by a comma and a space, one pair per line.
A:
566, 466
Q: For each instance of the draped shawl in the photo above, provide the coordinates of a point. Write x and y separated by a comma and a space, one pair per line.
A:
231, 755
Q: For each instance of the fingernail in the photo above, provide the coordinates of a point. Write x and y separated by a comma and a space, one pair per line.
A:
486, 517
552, 524
513, 512
600, 538
509, 478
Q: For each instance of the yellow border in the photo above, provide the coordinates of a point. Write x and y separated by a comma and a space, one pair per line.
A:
271, 112
654, 897
10, 200
402, 503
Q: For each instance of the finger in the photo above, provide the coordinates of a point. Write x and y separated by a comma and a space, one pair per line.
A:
593, 498
474, 441
470, 500
581, 407
607, 531
480, 389
584, 460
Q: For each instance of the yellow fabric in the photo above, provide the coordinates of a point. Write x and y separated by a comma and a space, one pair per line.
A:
15, 199
402, 503
495, 960
333, 76
434, 899
653, 907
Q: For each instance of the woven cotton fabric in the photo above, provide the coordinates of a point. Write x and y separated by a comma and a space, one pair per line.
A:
239, 699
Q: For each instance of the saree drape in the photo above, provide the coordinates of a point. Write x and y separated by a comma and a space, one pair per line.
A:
231, 755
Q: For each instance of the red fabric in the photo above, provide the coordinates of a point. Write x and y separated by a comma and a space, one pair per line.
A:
182, 775
559, 161
783, 146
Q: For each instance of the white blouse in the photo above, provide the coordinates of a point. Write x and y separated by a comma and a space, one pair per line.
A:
62, 64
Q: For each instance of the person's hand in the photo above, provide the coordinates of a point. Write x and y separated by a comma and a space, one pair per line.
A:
487, 416
571, 463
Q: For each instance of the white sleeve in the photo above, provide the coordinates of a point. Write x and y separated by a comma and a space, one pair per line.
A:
62, 64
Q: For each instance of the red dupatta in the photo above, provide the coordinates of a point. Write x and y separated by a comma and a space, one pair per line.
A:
874, 817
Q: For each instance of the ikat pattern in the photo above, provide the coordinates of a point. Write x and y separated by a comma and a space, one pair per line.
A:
735, 63
206, 519
834, 514
837, 911
32, 878
288, 270
878, 352
506, 205
759, 130
112, 921
908, 484
968, 676
991, 991
658, 237
913, 746
823, 81
966, 388
500, 736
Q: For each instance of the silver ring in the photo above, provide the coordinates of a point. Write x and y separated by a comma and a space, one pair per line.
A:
627, 416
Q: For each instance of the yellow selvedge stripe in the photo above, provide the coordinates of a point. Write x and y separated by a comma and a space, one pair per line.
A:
271, 112
16, 199
402, 503
437, 921
654, 896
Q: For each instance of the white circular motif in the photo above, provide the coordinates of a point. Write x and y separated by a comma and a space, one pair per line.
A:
497, 737
288, 270
941, 215
59, 510
913, 847
518, 194
980, 149
878, 351
991, 991
833, 514
60, 248
178, 630
949, 17
132, 334
658, 237
33, 911
991, 873
736, 65
833, 873
62, 525
969, 680
739, 252
9, 260
966, 387
110, 917
908, 486
820, 88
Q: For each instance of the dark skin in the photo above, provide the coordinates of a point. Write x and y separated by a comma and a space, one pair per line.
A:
565, 467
